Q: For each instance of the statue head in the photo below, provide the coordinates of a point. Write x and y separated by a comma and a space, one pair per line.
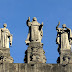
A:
5, 25
34, 19
64, 25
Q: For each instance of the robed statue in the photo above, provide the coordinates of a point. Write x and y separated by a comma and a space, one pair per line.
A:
35, 31
64, 37
5, 37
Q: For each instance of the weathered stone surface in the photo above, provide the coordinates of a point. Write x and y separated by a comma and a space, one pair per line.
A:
35, 31
6, 69
5, 37
66, 57
35, 53
19, 67
5, 51
5, 56
64, 41
64, 37
13, 67
2, 68
22, 67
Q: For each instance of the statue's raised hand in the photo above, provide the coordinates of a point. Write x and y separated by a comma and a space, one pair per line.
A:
58, 25
28, 18
42, 24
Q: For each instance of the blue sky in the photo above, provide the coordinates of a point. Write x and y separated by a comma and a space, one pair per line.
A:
16, 12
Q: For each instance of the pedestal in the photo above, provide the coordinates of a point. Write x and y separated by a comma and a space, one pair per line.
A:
35, 53
5, 56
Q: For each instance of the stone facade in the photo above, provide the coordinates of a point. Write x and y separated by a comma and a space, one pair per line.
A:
18, 67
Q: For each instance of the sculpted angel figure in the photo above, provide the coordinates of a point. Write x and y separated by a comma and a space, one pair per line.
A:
35, 31
5, 37
64, 37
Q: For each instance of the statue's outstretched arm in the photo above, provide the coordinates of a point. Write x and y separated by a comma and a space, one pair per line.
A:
58, 39
58, 35
41, 26
70, 33
28, 21
68, 28
11, 38
57, 25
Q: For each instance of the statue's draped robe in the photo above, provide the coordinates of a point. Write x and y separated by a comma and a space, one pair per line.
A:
63, 38
5, 38
34, 32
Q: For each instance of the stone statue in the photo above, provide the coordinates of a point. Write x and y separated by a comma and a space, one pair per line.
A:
35, 31
5, 37
64, 37
35, 52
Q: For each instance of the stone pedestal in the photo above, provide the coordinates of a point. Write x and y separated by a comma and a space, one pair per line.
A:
35, 53
5, 56
65, 57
